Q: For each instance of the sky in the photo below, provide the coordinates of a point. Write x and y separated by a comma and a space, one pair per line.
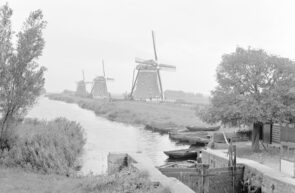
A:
190, 34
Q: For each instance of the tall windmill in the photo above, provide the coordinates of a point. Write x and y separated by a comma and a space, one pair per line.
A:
147, 83
81, 87
99, 89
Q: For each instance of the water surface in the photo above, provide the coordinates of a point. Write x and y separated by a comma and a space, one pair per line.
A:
104, 136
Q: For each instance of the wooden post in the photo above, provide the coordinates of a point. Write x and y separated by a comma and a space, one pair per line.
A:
202, 178
234, 165
230, 153
235, 155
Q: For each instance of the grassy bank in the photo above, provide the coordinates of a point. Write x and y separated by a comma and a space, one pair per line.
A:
162, 117
128, 180
42, 157
45, 147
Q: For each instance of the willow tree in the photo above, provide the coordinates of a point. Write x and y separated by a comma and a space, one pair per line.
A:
253, 88
22, 78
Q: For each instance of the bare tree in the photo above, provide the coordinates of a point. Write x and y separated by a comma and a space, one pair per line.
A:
22, 78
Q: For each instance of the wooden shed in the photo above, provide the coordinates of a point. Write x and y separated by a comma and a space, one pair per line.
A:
277, 133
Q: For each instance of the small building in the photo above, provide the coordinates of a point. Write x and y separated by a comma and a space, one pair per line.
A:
282, 136
278, 133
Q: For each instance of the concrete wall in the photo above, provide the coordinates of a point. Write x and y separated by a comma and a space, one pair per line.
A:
271, 181
116, 161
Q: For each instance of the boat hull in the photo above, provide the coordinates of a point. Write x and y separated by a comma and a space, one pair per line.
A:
199, 128
182, 154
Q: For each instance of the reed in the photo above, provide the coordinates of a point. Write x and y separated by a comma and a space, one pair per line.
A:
46, 147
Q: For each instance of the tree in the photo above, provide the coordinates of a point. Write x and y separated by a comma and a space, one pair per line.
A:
253, 88
22, 78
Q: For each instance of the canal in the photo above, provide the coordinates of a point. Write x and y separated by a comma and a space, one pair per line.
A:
104, 136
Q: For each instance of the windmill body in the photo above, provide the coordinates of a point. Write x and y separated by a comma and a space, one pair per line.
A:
99, 89
81, 87
147, 84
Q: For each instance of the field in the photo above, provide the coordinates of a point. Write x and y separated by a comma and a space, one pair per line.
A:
162, 117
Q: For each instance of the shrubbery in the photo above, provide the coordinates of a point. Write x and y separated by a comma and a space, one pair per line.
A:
47, 147
127, 180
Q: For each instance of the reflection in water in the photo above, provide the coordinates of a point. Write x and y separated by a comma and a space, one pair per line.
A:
104, 136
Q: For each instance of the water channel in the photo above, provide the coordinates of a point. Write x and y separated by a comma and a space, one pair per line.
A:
104, 136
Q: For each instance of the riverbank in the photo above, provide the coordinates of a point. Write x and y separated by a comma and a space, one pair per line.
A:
15, 180
42, 156
160, 117
44, 146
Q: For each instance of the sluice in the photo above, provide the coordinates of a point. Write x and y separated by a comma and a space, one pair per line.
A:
203, 179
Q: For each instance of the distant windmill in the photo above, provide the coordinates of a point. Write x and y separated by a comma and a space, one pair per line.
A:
99, 89
147, 83
81, 87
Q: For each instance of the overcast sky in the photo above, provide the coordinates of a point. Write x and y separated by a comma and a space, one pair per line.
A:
190, 34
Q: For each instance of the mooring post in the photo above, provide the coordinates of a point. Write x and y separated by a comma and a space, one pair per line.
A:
204, 181
235, 155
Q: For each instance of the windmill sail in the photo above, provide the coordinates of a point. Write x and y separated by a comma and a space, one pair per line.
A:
154, 44
167, 67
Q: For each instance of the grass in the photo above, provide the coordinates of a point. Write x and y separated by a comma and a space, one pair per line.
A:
128, 180
269, 156
163, 116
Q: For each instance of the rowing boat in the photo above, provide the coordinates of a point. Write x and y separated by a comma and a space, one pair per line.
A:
182, 153
203, 128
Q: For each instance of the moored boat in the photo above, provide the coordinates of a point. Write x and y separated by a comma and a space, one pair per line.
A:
203, 128
191, 137
183, 153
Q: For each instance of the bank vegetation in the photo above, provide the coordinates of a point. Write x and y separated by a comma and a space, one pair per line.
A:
163, 117
44, 147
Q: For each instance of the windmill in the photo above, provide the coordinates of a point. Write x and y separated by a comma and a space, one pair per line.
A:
99, 89
148, 84
81, 87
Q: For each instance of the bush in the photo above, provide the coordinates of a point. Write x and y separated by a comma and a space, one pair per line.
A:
127, 180
247, 132
47, 147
